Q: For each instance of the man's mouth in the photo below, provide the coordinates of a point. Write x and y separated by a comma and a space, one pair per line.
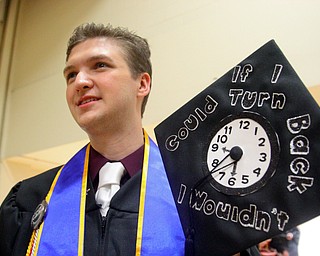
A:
87, 100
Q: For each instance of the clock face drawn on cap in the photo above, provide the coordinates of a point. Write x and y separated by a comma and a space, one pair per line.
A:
242, 154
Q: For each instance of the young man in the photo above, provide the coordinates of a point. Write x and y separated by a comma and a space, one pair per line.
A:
108, 75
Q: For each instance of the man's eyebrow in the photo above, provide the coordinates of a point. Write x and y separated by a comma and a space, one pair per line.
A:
67, 68
99, 57
92, 58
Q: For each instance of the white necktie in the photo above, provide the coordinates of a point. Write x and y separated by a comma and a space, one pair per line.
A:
109, 183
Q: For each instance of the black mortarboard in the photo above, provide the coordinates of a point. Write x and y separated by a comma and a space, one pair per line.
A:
242, 156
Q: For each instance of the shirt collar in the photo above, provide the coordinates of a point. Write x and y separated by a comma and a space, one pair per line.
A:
132, 163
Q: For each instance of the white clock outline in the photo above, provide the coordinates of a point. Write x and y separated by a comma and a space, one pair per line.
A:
249, 148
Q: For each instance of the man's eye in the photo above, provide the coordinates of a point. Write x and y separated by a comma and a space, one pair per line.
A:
71, 76
101, 65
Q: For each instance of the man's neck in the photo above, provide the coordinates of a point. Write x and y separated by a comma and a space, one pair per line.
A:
117, 145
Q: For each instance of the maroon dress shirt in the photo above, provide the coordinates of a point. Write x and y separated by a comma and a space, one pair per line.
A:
132, 163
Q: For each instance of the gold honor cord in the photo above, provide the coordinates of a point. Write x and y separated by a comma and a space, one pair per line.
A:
142, 193
83, 203
36, 235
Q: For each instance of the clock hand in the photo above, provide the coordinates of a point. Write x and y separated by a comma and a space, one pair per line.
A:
190, 231
234, 169
215, 169
235, 153
224, 149
235, 156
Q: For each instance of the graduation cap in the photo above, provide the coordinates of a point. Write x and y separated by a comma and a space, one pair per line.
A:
242, 156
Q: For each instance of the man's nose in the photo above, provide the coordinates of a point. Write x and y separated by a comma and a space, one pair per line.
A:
83, 81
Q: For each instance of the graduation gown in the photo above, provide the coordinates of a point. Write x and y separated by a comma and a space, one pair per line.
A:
114, 237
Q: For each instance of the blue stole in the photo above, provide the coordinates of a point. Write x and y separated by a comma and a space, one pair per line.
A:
159, 229
61, 233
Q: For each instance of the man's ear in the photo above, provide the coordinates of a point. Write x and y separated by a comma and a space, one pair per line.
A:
145, 85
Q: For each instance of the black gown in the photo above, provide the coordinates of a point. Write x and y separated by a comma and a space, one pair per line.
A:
114, 237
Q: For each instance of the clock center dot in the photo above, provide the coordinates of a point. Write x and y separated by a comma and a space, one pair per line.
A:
236, 153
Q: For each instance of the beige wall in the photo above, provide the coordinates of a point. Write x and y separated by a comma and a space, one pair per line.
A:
315, 92
193, 42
